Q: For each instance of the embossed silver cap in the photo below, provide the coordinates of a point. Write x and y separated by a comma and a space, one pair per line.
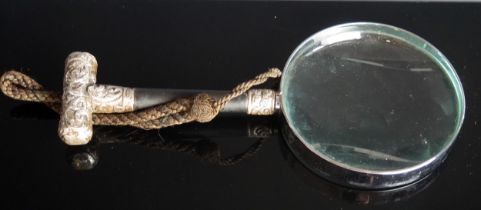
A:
75, 126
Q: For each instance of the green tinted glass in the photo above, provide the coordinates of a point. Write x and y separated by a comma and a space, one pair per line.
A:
372, 97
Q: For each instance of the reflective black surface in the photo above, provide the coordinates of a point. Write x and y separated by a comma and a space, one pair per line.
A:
207, 45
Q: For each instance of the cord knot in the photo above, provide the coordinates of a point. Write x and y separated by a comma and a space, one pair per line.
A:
203, 108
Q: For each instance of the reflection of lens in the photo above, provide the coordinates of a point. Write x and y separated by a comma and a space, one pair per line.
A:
357, 196
373, 100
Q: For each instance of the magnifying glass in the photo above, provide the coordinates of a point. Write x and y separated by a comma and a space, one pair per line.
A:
369, 105
375, 106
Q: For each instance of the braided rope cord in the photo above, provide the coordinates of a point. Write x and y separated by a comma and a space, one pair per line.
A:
200, 108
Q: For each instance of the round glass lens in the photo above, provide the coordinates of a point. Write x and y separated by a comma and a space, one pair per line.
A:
372, 97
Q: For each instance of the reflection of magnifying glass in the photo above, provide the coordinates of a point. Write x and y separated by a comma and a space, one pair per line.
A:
192, 139
375, 106
372, 105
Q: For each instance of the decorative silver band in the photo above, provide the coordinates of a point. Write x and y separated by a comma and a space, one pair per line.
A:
262, 102
111, 99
